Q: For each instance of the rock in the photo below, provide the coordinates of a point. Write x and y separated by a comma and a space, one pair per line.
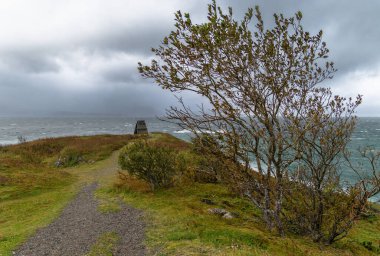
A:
207, 201
217, 211
228, 215
221, 212
59, 162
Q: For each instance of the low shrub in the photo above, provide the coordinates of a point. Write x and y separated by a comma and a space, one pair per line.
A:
152, 162
209, 166
21, 139
69, 157
370, 246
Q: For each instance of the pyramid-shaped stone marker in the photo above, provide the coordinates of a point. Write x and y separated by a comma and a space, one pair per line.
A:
140, 127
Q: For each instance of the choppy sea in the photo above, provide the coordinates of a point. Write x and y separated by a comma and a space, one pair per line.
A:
36, 127
367, 131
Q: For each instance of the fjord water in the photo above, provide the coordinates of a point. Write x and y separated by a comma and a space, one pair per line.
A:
366, 133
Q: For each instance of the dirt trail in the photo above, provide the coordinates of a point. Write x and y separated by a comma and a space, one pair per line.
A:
81, 224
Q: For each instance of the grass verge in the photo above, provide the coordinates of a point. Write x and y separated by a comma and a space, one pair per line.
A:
33, 191
105, 245
179, 223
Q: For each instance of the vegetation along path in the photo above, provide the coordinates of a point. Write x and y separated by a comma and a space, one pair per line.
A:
82, 227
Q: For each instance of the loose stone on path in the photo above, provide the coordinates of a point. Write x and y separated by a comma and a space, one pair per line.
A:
81, 224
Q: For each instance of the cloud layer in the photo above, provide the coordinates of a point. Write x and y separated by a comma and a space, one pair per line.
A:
80, 56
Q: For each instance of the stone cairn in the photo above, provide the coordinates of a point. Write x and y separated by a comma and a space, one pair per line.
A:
140, 127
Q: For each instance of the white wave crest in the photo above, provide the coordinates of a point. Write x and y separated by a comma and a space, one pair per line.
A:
183, 131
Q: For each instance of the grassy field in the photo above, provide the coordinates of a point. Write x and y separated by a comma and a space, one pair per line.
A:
179, 223
33, 191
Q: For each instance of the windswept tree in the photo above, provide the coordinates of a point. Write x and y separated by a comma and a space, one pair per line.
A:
318, 202
262, 86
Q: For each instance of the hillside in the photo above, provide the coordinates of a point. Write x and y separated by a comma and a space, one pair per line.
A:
39, 178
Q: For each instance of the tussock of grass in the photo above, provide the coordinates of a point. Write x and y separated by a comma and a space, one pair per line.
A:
105, 245
107, 204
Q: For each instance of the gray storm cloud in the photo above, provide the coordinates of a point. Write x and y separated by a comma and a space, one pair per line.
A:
80, 57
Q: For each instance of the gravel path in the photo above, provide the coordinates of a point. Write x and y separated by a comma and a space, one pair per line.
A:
81, 224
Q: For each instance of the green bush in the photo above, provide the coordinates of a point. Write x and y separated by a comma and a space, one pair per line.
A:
152, 162
209, 165
369, 246
69, 157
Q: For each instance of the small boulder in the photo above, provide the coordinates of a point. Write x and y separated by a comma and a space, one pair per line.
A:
59, 162
221, 212
228, 215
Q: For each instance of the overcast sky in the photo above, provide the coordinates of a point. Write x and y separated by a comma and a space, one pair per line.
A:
80, 56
